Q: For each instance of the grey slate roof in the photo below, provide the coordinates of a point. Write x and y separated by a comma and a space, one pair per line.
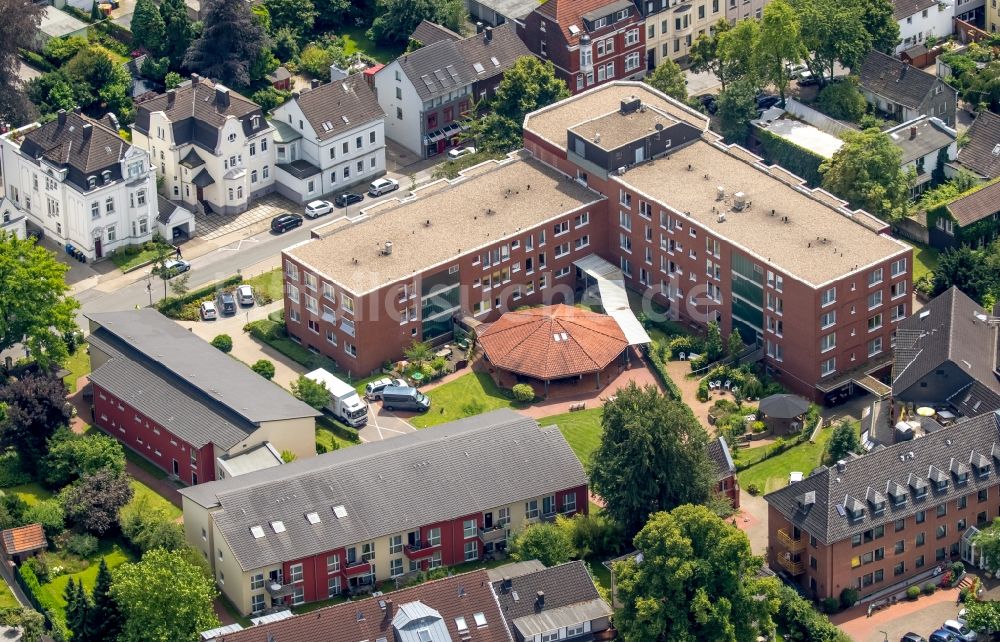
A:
906, 463
901, 9
895, 80
340, 105
931, 135
976, 206
387, 487
510, 9
718, 452
982, 153
506, 47
427, 33
565, 585
165, 209
218, 377
946, 330
65, 143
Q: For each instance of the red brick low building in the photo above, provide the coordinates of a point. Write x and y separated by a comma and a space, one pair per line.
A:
726, 483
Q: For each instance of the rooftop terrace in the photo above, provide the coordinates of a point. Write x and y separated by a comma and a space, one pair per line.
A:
443, 221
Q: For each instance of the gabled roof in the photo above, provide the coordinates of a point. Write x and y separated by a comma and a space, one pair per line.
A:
390, 486
339, 106
456, 599
921, 136
895, 80
570, 13
902, 9
982, 153
718, 452
427, 33
951, 328
165, 209
81, 145
24, 539
908, 462
488, 59
977, 205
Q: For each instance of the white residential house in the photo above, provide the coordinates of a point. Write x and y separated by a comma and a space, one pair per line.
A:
12, 218
80, 183
212, 147
925, 143
328, 139
919, 19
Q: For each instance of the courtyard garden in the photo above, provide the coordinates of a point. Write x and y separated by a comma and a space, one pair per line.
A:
471, 394
582, 430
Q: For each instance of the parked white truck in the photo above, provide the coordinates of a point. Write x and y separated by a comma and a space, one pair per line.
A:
345, 403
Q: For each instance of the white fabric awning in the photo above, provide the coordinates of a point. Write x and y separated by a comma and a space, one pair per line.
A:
614, 298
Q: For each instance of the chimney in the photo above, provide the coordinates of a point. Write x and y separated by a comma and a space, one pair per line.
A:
913, 132
221, 95
171, 96
488, 35
77, 110
388, 609
314, 83
62, 116
195, 79
479, 28
540, 599
87, 130
295, 95
841, 465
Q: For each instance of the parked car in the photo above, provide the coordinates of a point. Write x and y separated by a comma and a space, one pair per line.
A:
244, 295
208, 311
348, 198
794, 71
374, 389
709, 101
912, 637
316, 209
942, 635
381, 186
766, 101
284, 222
459, 152
227, 303
806, 79
961, 632
405, 398
173, 267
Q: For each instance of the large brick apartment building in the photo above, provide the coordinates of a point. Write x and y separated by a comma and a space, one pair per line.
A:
624, 174
316, 528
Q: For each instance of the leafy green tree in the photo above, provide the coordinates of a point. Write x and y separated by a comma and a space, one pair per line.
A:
35, 308
799, 620
105, 615
843, 100
230, 42
844, 441
19, 22
311, 392
179, 31
333, 14
735, 344
316, 61
780, 44
740, 51
72, 456
261, 16
704, 53
713, 340
286, 44
635, 477
148, 527
737, 107
983, 616
832, 31
36, 408
93, 501
866, 172
172, 80
967, 269
494, 133
396, 19
163, 598
77, 609
697, 581
49, 513
29, 621
545, 542
12, 509
668, 78
594, 534
148, 28
528, 84
59, 50
264, 367
297, 15
881, 25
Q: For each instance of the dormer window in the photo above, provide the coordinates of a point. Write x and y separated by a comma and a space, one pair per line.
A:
91, 182
854, 509
941, 485
106, 176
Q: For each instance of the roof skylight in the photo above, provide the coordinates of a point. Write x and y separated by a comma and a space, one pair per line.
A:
278, 526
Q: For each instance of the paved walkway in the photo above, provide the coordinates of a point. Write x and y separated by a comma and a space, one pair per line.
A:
922, 616
752, 520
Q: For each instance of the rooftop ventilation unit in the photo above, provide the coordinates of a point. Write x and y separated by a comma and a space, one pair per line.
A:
720, 193
386, 248
739, 201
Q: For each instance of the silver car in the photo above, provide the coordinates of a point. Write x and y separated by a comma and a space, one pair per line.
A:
244, 295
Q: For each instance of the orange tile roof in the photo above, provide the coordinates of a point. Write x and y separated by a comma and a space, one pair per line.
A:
23, 539
570, 12
552, 342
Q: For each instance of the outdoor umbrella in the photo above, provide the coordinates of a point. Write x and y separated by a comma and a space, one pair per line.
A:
783, 406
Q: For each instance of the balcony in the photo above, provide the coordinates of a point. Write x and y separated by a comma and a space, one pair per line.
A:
789, 544
357, 569
420, 550
493, 535
278, 590
786, 562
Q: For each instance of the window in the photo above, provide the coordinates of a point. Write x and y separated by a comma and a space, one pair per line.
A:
298, 595
631, 37
982, 495
829, 296
469, 528
632, 61
942, 510
560, 228
332, 587
434, 537
531, 509
900, 524
471, 551
942, 531
962, 502
109, 205
875, 299
897, 290
332, 564
95, 210
295, 573
920, 539
875, 322
875, 277
874, 346
828, 367
828, 342
112, 233
396, 567
257, 603
828, 319
898, 267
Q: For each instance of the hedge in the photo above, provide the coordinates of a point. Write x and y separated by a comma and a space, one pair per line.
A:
174, 307
339, 429
780, 445
653, 351
798, 160
44, 604
36, 60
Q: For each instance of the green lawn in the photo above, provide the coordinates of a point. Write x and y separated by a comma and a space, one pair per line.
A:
133, 256
270, 284
152, 499
582, 429
925, 259
78, 365
356, 39
114, 554
31, 493
771, 474
471, 394
328, 439
7, 599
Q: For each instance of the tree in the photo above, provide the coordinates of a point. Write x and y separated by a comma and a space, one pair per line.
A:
843, 100
313, 393
93, 501
148, 527
35, 309
316, 61
71, 457
178, 31
704, 54
737, 107
593, 534
77, 609
844, 440
172, 80
866, 172
163, 598
652, 456
968, 270
983, 616
19, 22
148, 27
261, 16
418, 352
30, 621
780, 44
179, 285
229, 43
697, 581
668, 78
801, 622
223, 342
494, 133
876, 15
713, 340
735, 344
544, 542
286, 44
36, 408
105, 615
396, 19
832, 31
297, 15
527, 85
740, 51
264, 368
49, 513
332, 14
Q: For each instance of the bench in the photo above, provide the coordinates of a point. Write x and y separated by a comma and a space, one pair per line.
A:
578, 406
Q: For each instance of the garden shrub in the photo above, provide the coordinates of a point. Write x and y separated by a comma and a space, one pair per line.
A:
957, 569
831, 605
82, 544
321, 448
223, 342
263, 330
753, 490
699, 363
473, 407
49, 513
11, 471
848, 597
686, 344
758, 427
523, 392
929, 588
655, 353
185, 307
702, 393
38, 567
147, 527
32, 585
264, 367
913, 592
